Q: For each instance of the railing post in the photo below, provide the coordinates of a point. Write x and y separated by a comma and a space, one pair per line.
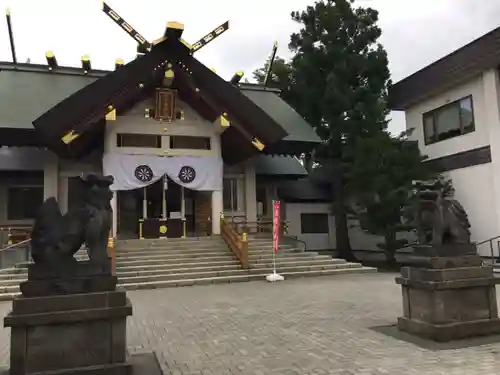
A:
112, 253
244, 251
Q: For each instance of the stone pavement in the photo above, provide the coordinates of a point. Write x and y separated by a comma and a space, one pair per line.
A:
296, 327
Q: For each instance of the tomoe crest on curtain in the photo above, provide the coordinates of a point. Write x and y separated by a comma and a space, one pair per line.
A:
187, 174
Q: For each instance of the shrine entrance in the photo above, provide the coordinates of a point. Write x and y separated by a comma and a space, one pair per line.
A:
162, 209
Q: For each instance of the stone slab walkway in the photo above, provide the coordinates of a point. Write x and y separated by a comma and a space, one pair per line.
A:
296, 327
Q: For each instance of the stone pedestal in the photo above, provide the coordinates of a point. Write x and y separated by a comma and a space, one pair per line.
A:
448, 294
69, 324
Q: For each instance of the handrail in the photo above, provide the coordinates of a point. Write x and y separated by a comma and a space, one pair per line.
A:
14, 245
238, 245
490, 241
259, 226
297, 239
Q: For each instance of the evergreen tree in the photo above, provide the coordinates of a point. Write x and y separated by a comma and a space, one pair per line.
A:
340, 79
381, 177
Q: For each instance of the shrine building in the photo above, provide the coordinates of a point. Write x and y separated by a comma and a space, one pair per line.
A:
183, 145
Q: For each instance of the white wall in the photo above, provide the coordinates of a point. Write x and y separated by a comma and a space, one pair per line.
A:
478, 138
475, 191
477, 188
314, 241
359, 239
134, 122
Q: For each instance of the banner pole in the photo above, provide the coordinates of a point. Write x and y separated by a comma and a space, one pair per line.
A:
276, 229
274, 261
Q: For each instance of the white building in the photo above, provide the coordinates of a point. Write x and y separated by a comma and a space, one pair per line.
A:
453, 105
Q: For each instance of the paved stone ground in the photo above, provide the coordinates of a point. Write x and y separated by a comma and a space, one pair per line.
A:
297, 327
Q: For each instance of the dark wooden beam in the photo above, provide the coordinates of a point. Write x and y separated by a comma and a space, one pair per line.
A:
192, 86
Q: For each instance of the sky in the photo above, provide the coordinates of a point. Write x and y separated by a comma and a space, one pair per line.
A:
415, 32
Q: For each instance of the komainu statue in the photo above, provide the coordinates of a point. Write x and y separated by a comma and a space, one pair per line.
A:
56, 238
439, 219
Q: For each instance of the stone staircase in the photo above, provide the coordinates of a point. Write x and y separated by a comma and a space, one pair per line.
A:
150, 264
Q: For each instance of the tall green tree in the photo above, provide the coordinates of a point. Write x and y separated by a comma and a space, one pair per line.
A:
381, 179
281, 76
340, 79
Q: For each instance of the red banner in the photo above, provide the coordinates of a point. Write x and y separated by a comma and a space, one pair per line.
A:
276, 225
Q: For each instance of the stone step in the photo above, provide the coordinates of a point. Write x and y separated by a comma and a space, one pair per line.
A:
218, 258
290, 257
163, 260
241, 278
133, 267
156, 252
181, 243
8, 292
206, 255
187, 249
198, 272
169, 257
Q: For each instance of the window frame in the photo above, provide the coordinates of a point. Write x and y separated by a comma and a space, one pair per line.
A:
171, 142
432, 114
9, 201
303, 214
119, 140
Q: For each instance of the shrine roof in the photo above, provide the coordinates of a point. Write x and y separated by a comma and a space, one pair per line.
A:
279, 166
29, 90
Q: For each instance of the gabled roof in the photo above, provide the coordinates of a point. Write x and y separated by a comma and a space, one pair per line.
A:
301, 136
27, 91
127, 85
459, 66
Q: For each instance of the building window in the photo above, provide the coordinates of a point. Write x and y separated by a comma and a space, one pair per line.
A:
23, 202
314, 223
449, 121
138, 140
230, 194
189, 143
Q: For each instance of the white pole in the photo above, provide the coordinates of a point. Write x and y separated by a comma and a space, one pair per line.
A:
164, 198
144, 203
274, 262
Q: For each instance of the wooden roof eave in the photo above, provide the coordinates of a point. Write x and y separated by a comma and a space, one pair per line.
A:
202, 94
79, 111
255, 121
235, 148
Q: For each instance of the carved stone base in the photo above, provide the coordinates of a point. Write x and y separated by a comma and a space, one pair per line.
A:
454, 297
69, 334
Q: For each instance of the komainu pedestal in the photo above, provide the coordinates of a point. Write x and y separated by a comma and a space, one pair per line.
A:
72, 322
448, 294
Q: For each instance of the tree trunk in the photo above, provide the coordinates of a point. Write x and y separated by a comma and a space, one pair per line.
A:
390, 246
341, 225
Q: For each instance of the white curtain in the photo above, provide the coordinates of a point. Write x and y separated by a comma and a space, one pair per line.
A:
136, 171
